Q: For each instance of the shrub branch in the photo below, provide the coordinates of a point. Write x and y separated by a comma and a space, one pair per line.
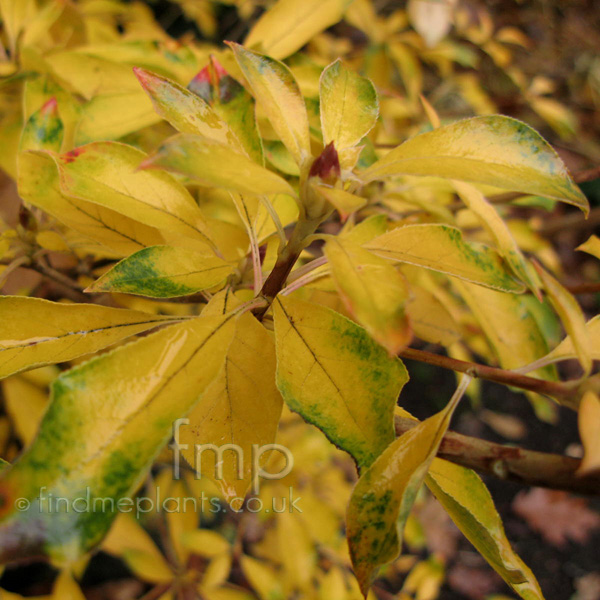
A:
565, 393
510, 463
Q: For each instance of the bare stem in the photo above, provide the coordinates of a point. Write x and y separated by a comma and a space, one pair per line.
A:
564, 393
509, 463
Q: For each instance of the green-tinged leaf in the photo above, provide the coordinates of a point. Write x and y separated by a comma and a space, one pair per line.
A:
589, 432
344, 202
35, 332
183, 109
106, 421
383, 497
494, 150
279, 156
592, 246
215, 164
289, 24
499, 231
234, 105
163, 272
108, 174
349, 106
571, 315
277, 92
43, 130
374, 292
467, 500
39, 185
333, 374
442, 248
241, 407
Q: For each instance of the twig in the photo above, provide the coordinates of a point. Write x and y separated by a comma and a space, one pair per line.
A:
565, 393
156, 592
72, 289
583, 288
572, 221
509, 463
21, 261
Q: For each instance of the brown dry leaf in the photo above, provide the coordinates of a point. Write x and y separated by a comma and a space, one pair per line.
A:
557, 516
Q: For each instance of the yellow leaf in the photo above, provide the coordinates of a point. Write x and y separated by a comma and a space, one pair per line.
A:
277, 93
216, 573
241, 407
493, 150
106, 421
566, 349
332, 373
442, 248
16, 14
147, 566
297, 552
265, 581
498, 229
557, 115
466, 499
163, 272
25, 403
112, 116
38, 184
35, 332
349, 106
430, 319
383, 497
289, 24
571, 315
65, 588
344, 202
205, 542
508, 323
589, 431
107, 174
373, 290
366, 230
592, 246
214, 164
127, 534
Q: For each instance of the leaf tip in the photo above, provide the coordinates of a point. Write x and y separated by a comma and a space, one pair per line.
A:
50, 108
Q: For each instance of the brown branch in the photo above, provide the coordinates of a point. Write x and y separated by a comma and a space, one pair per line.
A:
583, 288
509, 463
574, 220
564, 393
71, 289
